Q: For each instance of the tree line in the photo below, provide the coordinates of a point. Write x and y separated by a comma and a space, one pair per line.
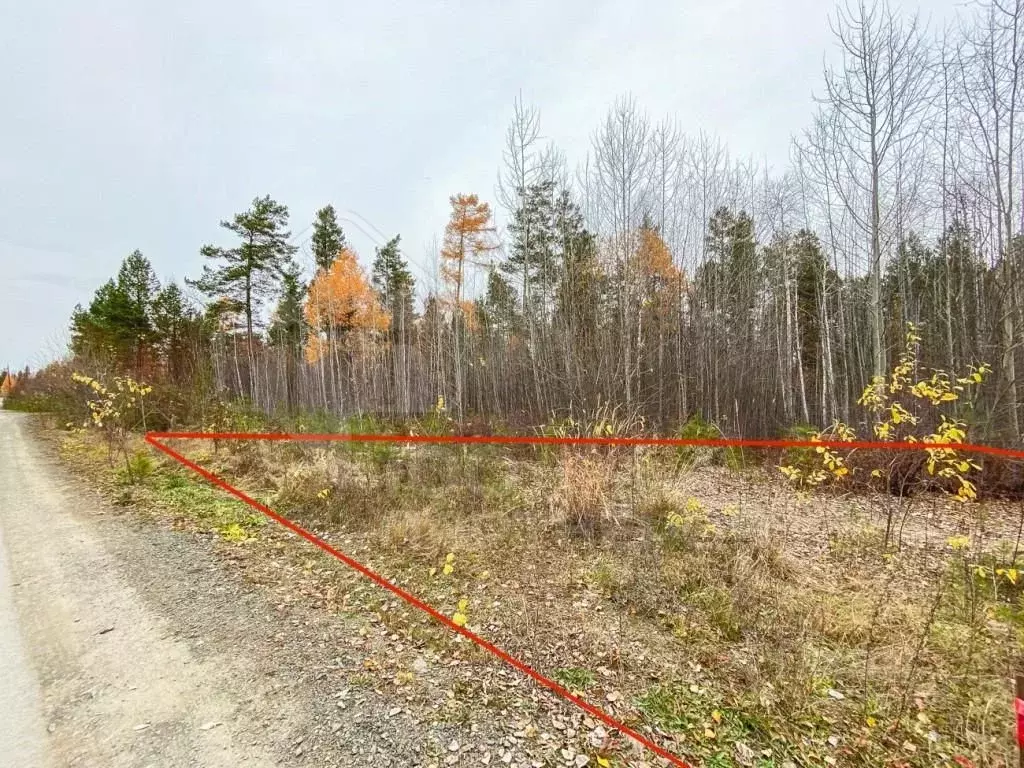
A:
660, 275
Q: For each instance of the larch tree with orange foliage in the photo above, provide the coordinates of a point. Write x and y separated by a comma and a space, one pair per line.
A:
660, 279
660, 287
340, 302
10, 382
468, 238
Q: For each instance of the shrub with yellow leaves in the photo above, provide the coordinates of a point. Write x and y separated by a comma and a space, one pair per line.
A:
894, 419
832, 465
116, 410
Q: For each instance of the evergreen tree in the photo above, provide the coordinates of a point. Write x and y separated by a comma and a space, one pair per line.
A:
175, 322
117, 328
288, 330
247, 273
395, 284
534, 260
733, 270
328, 237
498, 309
139, 285
815, 282
581, 283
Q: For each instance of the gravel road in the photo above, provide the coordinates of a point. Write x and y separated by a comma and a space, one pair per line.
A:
129, 642
101, 677
125, 644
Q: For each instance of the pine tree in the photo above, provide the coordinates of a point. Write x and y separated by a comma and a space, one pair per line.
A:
174, 323
288, 330
395, 285
247, 273
498, 308
328, 237
139, 285
117, 328
580, 288
534, 258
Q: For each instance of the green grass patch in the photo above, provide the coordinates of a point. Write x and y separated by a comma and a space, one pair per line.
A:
575, 678
208, 506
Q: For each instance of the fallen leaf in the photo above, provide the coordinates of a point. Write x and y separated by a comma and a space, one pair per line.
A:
744, 754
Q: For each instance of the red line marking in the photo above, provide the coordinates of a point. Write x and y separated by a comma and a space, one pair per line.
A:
416, 602
606, 441
154, 439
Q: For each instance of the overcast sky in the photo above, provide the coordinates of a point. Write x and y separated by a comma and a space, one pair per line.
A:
130, 124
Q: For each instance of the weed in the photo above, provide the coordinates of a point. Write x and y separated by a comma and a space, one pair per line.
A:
575, 678
417, 534
605, 578
691, 457
138, 468
718, 606
864, 541
233, 532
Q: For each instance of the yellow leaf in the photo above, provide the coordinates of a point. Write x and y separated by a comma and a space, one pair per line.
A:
708, 733
872, 722
716, 716
447, 569
603, 762
459, 619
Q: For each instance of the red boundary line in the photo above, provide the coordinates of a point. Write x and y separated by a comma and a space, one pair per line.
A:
154, 438
991, 450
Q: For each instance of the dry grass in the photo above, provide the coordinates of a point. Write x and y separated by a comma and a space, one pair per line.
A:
582, 498
701, 591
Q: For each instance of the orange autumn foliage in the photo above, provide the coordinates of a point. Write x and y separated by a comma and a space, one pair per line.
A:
655, 264
469, 312
340, 301
468, 237
7, 388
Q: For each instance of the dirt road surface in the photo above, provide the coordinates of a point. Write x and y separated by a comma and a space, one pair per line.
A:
124, 644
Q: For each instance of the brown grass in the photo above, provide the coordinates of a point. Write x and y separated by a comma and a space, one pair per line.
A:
582, 497
790, 610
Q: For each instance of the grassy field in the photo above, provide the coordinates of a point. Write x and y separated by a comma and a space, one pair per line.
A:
737, 620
